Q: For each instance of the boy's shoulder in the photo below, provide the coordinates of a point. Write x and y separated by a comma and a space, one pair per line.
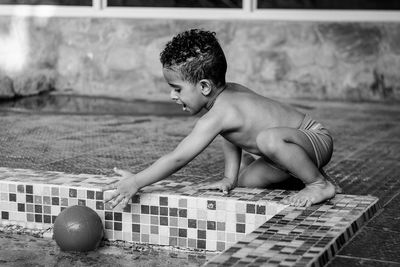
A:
236, 87
226, 108
240, 91
236, 94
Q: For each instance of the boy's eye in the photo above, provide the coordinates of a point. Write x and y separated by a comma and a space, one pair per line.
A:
177, 90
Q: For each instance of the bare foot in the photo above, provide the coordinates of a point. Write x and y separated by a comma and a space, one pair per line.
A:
312, 194
338, 189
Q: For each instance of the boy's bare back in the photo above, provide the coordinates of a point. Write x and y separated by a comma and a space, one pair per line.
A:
244, 114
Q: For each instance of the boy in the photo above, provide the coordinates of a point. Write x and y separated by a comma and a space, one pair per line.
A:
286, 142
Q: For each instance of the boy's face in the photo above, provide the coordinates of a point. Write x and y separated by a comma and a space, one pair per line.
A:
184, 93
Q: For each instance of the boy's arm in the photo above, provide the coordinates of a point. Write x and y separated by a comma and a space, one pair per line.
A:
201, 136
232, 154
204, 132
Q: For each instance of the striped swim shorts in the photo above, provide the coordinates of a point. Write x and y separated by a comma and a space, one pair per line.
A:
320, 139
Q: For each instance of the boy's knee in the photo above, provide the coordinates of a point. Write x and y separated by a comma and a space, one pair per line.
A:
269, 142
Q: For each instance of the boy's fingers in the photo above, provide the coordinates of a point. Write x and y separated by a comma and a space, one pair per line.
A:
116, 201
121, 172
210, 186
117, 171
125, 202
204, 186
111, 196
217, 186
225, 189
109, 187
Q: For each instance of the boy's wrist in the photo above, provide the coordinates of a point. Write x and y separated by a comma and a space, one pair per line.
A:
232, 181
135, 182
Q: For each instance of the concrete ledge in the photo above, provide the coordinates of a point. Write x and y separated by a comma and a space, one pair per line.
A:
249, 225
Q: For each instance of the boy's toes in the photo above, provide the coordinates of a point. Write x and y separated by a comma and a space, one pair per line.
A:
301, 202
286, 201
306, 202
338, 189
293, 201
297, 201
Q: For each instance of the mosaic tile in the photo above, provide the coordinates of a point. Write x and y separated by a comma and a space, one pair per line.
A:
301, 236
158, 205
248, 225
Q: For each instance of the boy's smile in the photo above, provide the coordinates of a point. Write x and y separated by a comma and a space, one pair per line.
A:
185, 93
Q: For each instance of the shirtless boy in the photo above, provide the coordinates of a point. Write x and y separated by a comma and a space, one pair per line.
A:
286, 142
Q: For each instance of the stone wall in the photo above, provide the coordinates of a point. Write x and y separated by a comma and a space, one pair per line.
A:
120, 57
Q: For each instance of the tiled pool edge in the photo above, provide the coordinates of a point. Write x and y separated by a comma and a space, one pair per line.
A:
157, 215
286, 240
294, 227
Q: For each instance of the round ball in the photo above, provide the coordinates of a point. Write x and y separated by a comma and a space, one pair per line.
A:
78, 228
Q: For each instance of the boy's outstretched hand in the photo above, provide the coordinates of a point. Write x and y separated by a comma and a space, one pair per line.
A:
124, 189
224, 185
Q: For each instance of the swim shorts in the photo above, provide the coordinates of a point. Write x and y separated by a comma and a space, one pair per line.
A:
320, 139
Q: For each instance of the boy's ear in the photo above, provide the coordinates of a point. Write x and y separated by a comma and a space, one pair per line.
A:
206, 87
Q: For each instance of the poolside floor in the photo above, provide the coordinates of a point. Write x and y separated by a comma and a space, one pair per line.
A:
365, 160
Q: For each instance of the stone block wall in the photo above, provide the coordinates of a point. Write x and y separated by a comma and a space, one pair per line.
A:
120, 57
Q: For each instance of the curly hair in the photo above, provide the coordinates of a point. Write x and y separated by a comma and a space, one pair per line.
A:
197, 55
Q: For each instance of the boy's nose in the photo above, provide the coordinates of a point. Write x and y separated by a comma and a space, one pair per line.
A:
173, 95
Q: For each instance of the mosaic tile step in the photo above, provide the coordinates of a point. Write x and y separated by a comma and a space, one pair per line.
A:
249, 225
301, 236
160, 214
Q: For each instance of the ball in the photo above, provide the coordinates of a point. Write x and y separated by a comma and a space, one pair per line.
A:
78, 228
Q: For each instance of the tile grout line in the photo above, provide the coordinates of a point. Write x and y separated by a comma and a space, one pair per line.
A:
393, 197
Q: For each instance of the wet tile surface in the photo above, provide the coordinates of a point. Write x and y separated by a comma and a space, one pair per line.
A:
387, 220
376, 244
26, 250
345, 261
